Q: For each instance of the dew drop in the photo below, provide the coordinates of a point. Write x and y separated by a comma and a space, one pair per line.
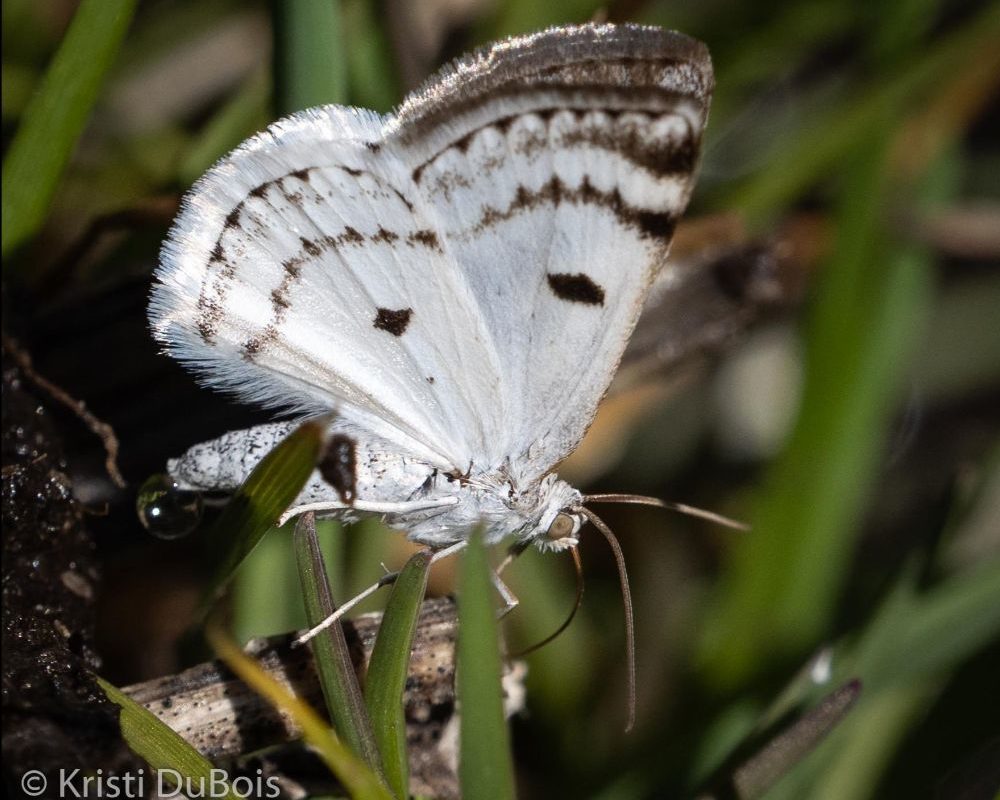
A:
166, 510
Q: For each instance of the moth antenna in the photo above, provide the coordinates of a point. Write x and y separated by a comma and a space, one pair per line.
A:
575, 553
616, 548
682, 508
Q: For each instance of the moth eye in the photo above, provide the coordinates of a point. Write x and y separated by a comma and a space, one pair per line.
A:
561, 527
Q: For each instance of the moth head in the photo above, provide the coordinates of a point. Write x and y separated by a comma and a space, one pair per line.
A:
561, 531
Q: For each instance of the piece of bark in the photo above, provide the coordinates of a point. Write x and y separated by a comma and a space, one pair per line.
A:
223, 718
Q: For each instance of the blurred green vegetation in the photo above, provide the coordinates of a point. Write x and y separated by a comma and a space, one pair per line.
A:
875, 550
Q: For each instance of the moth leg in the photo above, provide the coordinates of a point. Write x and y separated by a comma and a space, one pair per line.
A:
385, 580
510, 601
509, 598
368, 506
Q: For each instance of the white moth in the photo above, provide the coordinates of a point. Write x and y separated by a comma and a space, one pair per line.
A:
457, 281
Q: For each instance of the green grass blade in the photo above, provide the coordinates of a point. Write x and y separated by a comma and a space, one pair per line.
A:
917, 636
389, 666
309, 63
760, 772
56, 115
784, 578
244, 114
485, 767
903, 658
338, 680
353, 774
815, 153
264, 496
161, 746
263, 596
373, 80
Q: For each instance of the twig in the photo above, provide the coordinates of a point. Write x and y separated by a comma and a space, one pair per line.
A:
101, 429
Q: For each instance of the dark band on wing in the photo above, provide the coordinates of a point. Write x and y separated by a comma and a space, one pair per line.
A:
339, 467
626, 70
210, 300
395, 322
660, 157
650, 224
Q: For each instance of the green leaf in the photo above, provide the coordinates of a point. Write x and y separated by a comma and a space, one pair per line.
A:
351, 771
56, 115
485, 769
388, 668
161, 746
258, 504
337, 678
309, 63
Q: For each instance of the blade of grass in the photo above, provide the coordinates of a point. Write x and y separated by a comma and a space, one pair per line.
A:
373, 80
485, 767
337, 678
163, 748
760, 772
815, 152
56, 115
389, 666
264, 592
903, 657
245, 113
264, 496
309, 63
360, 782
783, 579
523, 16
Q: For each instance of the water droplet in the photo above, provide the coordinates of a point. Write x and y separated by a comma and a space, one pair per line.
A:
166, 510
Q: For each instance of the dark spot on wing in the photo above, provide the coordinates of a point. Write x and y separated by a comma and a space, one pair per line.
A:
424, 237
655, 224
293, 265
395, 322
312, 248
578, 288
351, 235
302, 174
279, 299
339, 467
259, 191
233, 217
382, 235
